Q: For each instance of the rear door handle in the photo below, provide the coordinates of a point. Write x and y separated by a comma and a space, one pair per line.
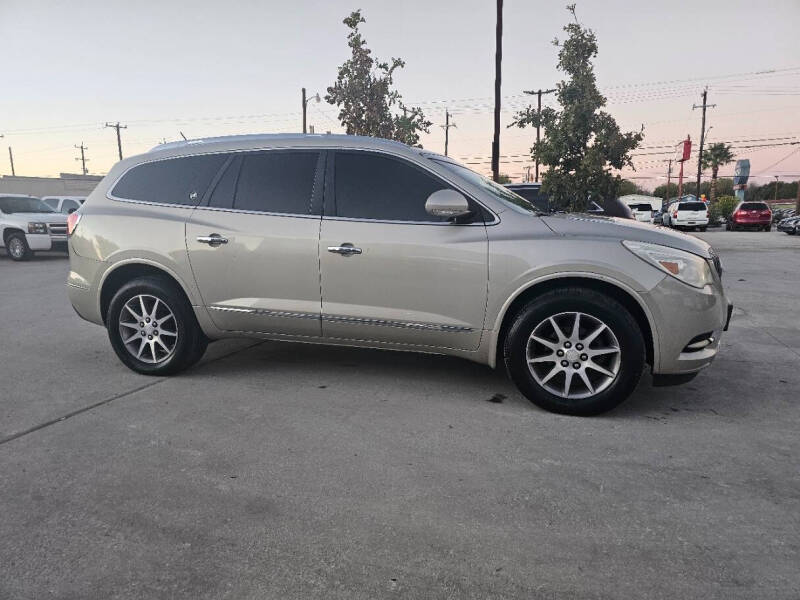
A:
345, 249
212, 240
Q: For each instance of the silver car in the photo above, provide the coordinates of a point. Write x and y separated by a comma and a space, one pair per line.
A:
366, 242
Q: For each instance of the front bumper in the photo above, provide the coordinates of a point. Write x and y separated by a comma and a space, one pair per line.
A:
788, 227
683, 315
45, 241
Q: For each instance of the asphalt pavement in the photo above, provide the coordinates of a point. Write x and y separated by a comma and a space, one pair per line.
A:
276, 470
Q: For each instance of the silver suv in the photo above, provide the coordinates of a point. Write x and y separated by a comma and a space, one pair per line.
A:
366, 242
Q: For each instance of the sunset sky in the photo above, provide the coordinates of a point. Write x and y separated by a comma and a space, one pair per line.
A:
210, 68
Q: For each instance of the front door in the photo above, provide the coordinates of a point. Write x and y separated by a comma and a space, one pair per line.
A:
389, 271
254, 245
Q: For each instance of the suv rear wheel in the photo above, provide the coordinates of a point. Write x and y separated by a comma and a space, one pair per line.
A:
153, 329
575, 351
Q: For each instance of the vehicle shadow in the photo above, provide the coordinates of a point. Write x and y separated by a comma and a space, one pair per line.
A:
38, 257
311, 364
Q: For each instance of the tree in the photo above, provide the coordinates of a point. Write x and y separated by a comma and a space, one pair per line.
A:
626, 187
503, 178
715, 156
368, 104
582, 144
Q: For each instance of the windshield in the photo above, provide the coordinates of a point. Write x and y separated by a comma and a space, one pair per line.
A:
642, 207
692, 206
497, 191
10, 205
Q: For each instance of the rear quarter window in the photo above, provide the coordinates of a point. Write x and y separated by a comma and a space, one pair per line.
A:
181, 181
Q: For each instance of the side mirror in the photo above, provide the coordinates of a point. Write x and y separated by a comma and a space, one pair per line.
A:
447, 203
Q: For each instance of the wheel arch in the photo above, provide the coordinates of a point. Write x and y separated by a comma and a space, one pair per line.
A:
615, 289
125, 271
8, 231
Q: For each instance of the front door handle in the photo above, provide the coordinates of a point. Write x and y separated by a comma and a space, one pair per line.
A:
212, 240
345, 249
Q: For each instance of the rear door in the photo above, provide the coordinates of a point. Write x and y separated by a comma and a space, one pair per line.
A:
254, 243
389, 271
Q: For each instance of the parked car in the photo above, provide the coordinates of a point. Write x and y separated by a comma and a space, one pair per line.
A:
686, 214
366, 242
642, 212
790, 225
782, 213
27, 224
64, 204
750, 215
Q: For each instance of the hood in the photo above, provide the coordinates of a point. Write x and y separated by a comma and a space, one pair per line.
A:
38, 217
591, 226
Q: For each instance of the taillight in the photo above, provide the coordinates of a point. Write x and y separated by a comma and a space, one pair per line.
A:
675, 215
72, 222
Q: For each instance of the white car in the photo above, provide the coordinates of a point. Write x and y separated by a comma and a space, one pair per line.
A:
688, 214
64, 204
27, 224
642, 212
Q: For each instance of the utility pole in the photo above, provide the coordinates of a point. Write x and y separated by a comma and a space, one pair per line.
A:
669, 176
305, 106
119, 140
776, 187
797, 202
704, 105
498, 60
538, 94
447, 125
83, 158
11, 158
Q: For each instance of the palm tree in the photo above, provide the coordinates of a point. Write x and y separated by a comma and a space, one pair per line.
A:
716, 156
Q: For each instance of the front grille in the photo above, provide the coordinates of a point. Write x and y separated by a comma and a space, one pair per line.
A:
58, 228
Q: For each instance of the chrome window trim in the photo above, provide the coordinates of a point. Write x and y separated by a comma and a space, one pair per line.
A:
110, 196
263, 312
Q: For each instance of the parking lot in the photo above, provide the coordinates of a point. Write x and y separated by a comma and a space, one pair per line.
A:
295, 471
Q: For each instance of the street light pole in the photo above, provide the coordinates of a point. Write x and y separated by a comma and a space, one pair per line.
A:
498, 61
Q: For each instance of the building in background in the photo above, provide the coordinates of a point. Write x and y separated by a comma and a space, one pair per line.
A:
66, 184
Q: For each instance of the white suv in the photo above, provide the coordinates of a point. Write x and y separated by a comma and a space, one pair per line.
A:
27, 224
691, 214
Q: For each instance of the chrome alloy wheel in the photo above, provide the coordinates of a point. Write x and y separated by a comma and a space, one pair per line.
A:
148, 329
16, 248
573, 355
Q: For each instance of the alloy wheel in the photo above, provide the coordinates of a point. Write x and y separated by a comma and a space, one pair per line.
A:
148, 329
573, 355
16, 248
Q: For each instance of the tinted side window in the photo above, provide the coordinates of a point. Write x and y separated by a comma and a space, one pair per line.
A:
69, 205
370, 186
276, 181
52, 203
172, 181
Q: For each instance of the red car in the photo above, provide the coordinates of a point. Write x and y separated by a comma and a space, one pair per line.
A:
755, 215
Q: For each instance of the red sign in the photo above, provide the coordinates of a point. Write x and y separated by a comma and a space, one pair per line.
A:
687, 149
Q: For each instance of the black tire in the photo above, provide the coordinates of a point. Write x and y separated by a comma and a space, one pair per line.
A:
592, 303
191, 342
704, 228
17, 247
727, 227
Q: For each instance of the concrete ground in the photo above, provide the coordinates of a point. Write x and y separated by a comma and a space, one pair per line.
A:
292, 471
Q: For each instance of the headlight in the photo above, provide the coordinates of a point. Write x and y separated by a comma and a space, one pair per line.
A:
37, 227
689, 268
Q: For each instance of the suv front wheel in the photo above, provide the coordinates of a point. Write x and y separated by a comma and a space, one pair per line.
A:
575, 351
153, 329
